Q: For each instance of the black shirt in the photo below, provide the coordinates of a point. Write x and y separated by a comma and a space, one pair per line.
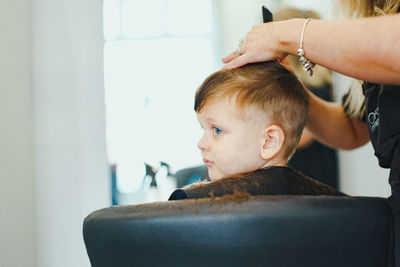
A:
383, 117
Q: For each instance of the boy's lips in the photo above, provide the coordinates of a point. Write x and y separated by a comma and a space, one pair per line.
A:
208, 162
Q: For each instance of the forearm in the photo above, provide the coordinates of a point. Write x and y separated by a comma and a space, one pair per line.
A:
367, 49
330, 125
306, 139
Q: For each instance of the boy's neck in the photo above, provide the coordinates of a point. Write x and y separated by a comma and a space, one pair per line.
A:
279, 162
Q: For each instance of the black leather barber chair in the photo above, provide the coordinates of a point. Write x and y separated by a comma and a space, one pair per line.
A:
309, 231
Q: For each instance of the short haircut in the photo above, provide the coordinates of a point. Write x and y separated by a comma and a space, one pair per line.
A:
269, 87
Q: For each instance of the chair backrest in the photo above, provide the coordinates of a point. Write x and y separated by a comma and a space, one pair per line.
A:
257, 231
190, 175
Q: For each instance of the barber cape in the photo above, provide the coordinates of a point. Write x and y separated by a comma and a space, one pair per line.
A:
267, 181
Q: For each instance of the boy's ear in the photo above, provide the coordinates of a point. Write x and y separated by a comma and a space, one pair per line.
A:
273, 142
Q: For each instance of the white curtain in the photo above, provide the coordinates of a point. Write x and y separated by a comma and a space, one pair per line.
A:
71, 169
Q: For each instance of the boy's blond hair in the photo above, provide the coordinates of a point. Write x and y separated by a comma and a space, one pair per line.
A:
269, 87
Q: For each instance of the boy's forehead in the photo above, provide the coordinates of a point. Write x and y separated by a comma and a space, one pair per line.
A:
224, 102
229, 104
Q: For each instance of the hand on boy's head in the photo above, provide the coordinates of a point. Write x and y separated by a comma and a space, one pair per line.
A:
233, 61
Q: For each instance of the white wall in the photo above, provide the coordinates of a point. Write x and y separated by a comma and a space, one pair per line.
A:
236, 17
360, 174
17, 205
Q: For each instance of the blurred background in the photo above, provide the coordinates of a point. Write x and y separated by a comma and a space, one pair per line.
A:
92, 91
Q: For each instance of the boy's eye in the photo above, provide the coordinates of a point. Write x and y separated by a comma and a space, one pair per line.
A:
217, 131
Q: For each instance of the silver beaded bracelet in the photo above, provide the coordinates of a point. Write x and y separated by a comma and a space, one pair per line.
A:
307, 65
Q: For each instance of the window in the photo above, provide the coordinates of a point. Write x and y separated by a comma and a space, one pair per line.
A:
156, 54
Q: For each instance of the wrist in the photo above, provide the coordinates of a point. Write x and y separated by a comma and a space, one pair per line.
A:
289, 39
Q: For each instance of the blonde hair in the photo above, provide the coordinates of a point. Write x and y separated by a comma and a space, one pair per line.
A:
354, 104
369, 8
321, 75
269, 87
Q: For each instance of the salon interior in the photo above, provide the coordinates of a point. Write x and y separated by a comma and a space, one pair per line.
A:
96, 107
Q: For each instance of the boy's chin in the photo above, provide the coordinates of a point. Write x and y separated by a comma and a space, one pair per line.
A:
215, 176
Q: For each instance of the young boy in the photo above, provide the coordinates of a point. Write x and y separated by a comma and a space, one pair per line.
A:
252, 118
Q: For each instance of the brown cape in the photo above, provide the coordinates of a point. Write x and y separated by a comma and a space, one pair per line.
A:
268, 181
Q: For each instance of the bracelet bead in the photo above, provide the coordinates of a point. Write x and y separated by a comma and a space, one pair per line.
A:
307, 65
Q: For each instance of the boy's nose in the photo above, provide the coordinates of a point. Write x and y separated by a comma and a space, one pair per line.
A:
202, 144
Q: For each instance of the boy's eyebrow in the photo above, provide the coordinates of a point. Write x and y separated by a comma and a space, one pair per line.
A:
210, 119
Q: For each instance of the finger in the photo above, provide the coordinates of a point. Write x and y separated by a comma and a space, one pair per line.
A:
229, 57
236, 63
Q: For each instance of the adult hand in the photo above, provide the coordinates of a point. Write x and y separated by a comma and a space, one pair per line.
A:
263, 43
